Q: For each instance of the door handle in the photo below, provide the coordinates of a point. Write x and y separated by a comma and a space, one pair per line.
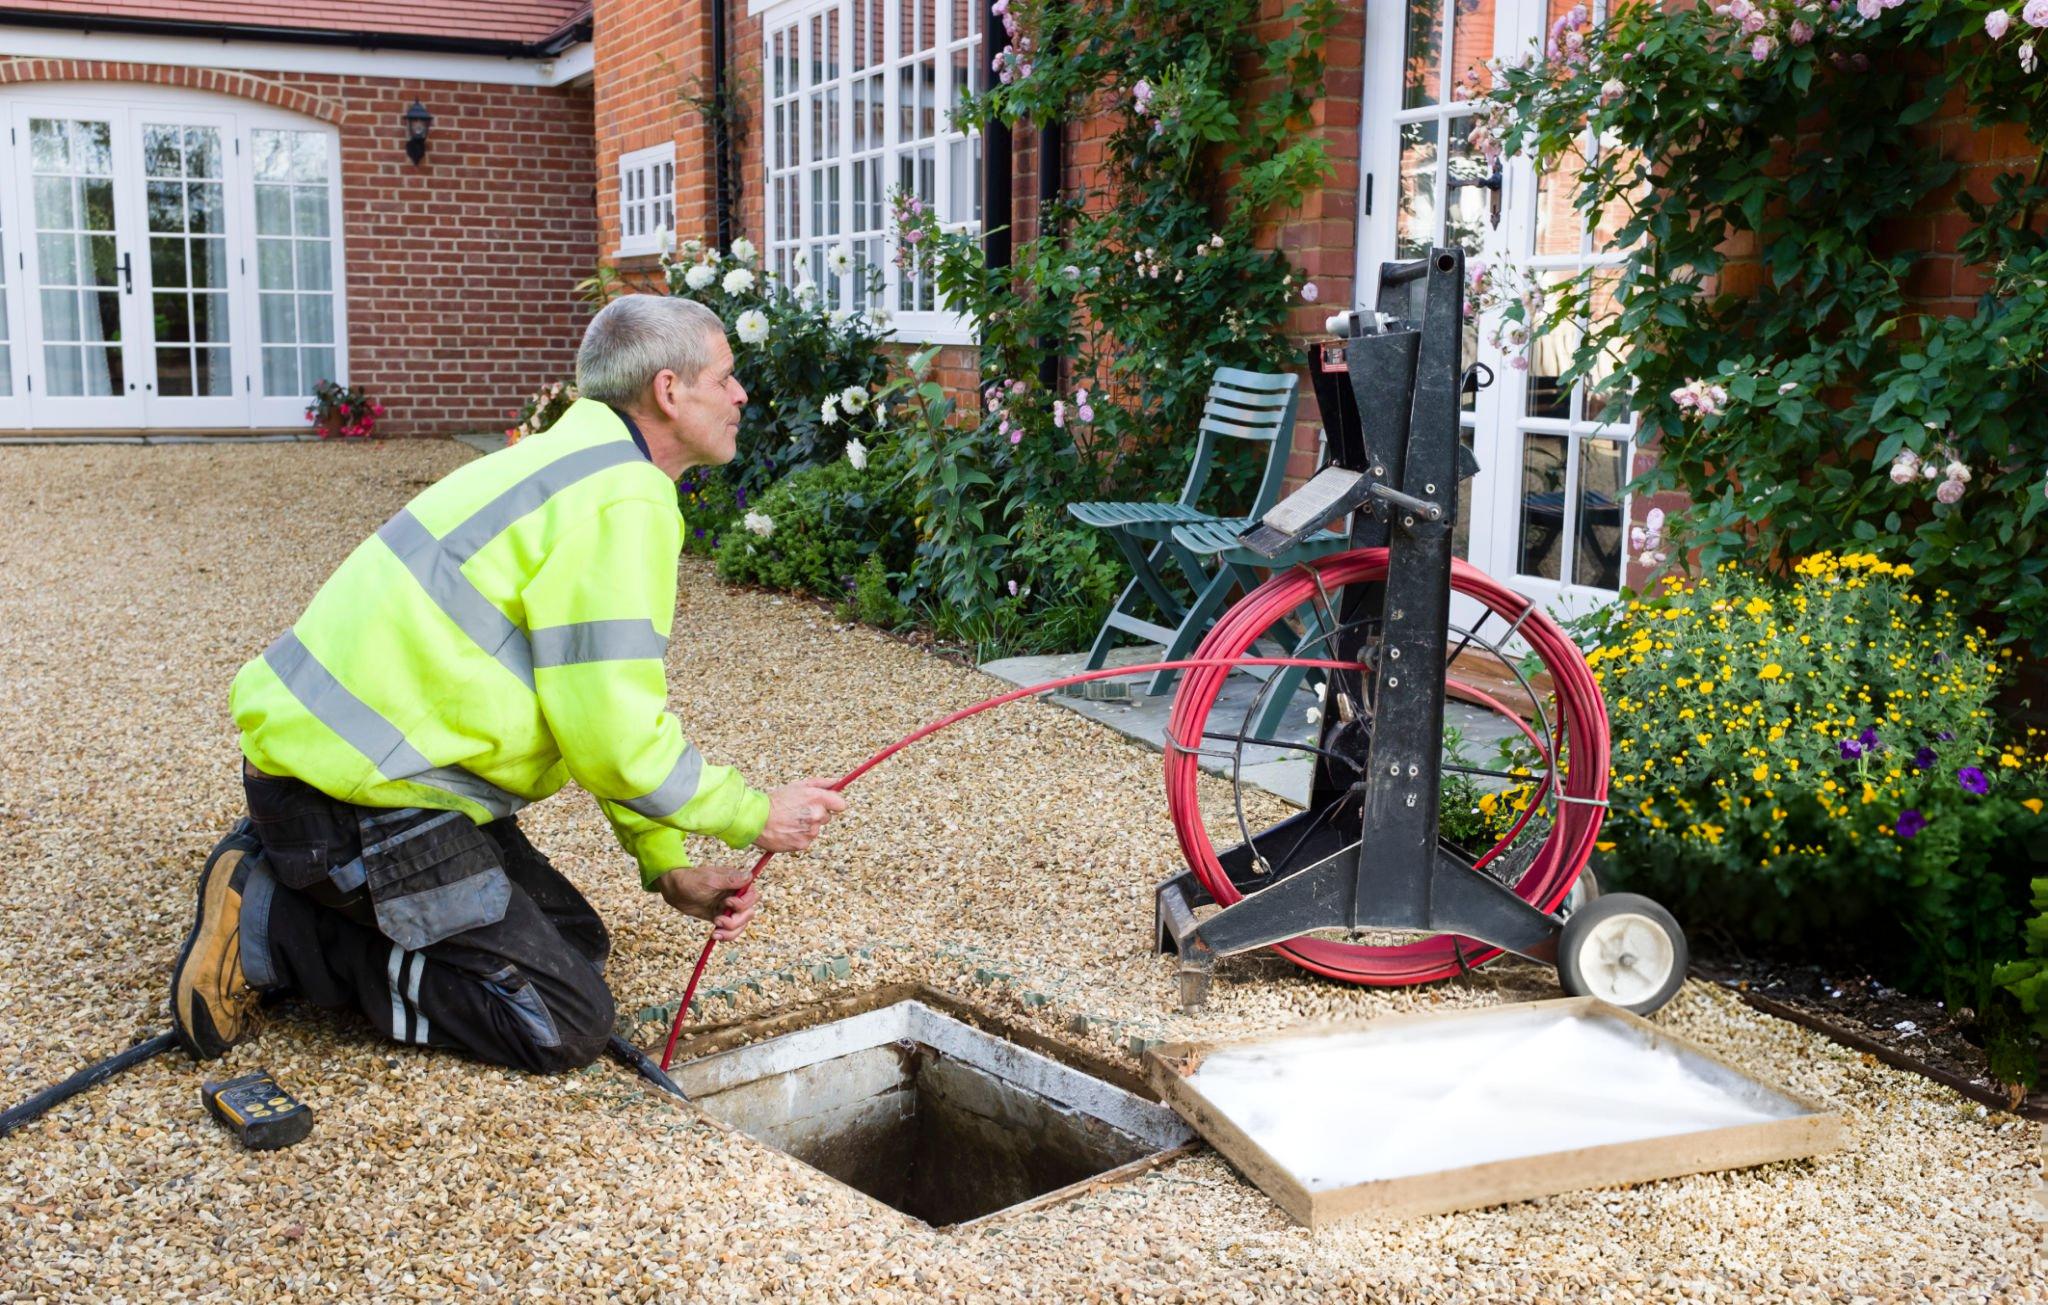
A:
128, 272
1490, 182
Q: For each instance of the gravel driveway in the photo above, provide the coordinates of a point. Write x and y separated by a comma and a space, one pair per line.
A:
1008, 860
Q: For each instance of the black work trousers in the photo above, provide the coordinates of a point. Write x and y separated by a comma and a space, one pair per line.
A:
442, 932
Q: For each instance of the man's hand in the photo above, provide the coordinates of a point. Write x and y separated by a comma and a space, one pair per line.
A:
797, 814
721, 894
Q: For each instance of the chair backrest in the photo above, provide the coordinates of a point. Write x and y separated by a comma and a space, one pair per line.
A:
1248, 406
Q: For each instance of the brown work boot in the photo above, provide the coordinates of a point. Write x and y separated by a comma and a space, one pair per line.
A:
212, 1005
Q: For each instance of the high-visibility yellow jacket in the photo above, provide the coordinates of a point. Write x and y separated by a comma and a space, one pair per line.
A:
500, 636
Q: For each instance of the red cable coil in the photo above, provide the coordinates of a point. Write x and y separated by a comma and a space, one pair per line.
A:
1549, 879
1582, 721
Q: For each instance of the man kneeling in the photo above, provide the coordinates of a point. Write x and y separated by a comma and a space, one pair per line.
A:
502, 635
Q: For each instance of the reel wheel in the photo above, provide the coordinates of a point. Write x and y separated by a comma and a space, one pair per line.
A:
1624, 949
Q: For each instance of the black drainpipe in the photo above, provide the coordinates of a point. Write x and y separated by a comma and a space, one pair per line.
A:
721, 135
996, 210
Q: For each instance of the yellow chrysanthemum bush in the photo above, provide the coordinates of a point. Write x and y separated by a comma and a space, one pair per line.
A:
1814, 763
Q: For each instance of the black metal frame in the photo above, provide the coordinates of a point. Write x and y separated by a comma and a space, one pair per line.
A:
1397, 423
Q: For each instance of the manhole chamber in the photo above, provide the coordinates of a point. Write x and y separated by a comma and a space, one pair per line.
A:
930, 1115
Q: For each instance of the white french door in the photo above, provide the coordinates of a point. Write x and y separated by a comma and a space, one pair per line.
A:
1547, 512
170, 262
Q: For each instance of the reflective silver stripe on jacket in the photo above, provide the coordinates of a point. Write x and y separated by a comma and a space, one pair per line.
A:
627, 640
363, 728
673, 792
437, 563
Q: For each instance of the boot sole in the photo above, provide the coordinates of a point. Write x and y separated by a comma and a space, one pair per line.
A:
194, 1023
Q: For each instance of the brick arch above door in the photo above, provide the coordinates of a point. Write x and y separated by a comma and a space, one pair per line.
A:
271, 91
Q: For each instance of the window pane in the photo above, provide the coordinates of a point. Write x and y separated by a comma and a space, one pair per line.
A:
280, 319
202, 152
214, 374
62, 372
281, 371
163, 152
173, 317
210, 263
174, 373
60, 314
316, 319
273, 211
210, 317
309, 156
49, 145
309, 205
1612, 408
1596, 555
315, 365
165, 201
315, 272
1422, 60
208, 207
58, 257
56, 204
1416, 221
274, 264
273, 155
1543, 471
1472, 39
104, 370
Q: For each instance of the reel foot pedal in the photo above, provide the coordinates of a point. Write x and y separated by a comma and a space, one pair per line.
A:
257, 1109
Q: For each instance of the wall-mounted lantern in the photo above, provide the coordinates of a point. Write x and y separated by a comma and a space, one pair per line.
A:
418, 122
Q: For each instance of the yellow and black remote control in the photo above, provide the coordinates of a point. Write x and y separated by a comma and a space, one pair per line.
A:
258, 1110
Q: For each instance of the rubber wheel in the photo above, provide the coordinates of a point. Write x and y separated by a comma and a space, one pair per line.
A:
1584, 889
1624, 949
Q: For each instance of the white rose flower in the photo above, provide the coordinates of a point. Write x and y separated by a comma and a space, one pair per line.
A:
743, 250
828, 411
752, 326
839, 260
857, 454
738, 281
759, 523
700, 277
839, 317
853, 398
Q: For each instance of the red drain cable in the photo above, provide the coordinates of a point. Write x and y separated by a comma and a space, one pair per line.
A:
1565, 850
839, 785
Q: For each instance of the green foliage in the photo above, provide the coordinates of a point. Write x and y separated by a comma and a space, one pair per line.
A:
1839, 415
711, 506
542, 409
874, 596
1814, 765
2027, 980
809, 368
346, 411
1135, 295
815, 528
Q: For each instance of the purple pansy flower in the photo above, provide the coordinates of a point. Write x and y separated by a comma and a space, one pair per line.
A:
1923, 759
1911, 822
1850, 749
1946, 736
1868, 738
1972, 780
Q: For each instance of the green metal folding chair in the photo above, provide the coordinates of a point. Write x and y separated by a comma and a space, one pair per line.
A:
1240, 405
1242, 566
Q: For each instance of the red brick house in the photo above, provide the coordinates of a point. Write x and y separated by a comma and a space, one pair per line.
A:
206, 206
566, 133
832, 101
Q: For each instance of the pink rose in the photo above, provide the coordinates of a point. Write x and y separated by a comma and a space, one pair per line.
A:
1059, 413
1309, 293
1760, 49
1949, 491
2036, 13
1996, 23
1085, 413
1802, 33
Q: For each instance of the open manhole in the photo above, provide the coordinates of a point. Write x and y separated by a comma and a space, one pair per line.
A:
930, 1115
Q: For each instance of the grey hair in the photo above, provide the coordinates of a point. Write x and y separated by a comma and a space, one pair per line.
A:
634, 337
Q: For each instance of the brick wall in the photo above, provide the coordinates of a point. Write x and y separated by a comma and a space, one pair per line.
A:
457, 270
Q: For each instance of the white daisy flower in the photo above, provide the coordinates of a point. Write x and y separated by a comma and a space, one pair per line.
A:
759, 523
700, 277
857, 454
738, 281
853, 399
838, 317
806, 293
828, 411
743, 249
752, 326
839, 260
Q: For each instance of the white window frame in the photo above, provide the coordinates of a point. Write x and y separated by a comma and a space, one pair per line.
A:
30, 407
647, 198
1499, 421
793, 159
